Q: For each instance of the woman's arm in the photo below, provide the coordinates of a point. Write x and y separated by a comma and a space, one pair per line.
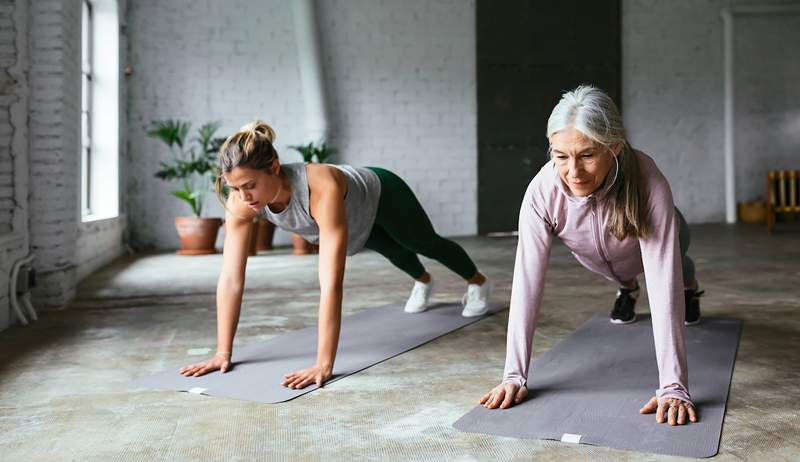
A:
530, 266
327, 188
230, 285
662, 268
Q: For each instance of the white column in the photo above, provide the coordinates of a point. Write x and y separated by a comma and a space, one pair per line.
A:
730, 168
311, 78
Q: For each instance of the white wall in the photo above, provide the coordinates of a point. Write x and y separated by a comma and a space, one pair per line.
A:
40, 90
767, 99
400, 81
673, 97
203, 61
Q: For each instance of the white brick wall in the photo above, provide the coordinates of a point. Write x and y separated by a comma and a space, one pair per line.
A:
672, 96
767, 101
98, 243
55, 36
8, 57
401, 82
400, 78
231, 61
13, 144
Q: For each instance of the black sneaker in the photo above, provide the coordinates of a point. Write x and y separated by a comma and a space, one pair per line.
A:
692, 297
623, 312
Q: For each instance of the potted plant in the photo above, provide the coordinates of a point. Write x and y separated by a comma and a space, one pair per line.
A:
195, 168
312, 153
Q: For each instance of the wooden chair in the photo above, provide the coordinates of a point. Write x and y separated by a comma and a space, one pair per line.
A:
782, 194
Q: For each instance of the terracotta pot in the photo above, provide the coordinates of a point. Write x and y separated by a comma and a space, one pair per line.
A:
198, 235
266, 231
302, 246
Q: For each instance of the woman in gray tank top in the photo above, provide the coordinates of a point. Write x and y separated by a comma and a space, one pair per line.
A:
342, 208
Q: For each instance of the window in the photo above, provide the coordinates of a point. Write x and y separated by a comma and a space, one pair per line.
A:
100, 110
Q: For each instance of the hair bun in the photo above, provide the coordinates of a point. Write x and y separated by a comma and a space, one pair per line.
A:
260, 127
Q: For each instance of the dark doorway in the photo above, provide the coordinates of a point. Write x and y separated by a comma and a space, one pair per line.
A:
529, 53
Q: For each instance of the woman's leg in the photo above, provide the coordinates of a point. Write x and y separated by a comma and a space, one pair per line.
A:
404, 220
684, 238
400, 256
690, 292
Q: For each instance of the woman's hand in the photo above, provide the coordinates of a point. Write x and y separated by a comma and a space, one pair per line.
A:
504, 395
671, 409
303, 378
220, 362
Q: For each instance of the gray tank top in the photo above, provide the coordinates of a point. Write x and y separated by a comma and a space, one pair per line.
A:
360, 204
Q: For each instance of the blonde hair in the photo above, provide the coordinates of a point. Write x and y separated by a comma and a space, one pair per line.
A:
250, 147
593, 113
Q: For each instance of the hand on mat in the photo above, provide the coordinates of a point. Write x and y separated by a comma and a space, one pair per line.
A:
670, 410
305, 377
504, 395
217, 363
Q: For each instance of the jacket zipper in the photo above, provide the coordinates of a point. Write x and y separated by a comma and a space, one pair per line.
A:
598, 243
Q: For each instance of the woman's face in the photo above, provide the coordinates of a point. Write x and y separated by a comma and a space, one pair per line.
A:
582, 163
254, 187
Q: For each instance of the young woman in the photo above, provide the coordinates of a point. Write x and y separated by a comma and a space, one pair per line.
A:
342, 208
612, 207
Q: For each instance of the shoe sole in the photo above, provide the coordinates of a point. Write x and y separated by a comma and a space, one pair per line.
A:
620, 321
687, 323
421, 310
472, 314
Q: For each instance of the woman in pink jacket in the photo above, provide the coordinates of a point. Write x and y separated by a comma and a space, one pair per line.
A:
612, 207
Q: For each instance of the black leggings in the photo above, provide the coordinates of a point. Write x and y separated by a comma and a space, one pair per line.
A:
402, 230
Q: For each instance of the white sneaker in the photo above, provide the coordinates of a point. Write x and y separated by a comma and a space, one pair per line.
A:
476, 300
418, 300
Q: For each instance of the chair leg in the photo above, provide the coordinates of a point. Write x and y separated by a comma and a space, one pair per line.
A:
770, 219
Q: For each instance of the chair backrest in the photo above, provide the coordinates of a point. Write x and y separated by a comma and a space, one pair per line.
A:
783, 190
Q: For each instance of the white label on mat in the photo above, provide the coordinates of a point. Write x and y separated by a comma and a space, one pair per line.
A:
198, 351
570, 438
197, 390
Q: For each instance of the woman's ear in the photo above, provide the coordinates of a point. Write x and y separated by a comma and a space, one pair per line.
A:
275, 167
616, 149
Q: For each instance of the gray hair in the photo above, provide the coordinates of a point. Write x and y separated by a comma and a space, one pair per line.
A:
592, 112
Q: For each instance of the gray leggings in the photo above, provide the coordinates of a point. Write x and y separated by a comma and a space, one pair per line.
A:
684, 238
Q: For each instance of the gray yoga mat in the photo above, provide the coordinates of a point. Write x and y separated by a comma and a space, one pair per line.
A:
590, 386
366, 338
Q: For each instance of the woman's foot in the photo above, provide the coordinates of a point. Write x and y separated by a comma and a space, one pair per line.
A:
476, 300
624, 307
420, 293
692, 298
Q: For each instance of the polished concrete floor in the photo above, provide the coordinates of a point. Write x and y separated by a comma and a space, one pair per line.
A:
64, 391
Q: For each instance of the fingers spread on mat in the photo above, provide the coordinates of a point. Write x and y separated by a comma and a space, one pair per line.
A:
650, 406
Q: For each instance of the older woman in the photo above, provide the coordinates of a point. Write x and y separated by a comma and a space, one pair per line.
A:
612, 207
344, 209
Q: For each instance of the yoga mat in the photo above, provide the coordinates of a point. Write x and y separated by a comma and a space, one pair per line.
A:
590, 386
366, 338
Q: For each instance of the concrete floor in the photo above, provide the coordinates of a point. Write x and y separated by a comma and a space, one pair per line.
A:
64, 391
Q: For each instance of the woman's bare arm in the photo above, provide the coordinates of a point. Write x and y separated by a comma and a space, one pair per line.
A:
326, 203
230, 286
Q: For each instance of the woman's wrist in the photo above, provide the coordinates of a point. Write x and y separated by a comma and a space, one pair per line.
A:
223, 354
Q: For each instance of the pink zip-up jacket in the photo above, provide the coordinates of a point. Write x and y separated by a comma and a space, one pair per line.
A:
550, 209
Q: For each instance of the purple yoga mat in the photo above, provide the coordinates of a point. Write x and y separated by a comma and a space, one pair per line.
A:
366, 338
590, 386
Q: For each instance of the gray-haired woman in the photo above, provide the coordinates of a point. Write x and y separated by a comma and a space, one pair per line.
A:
613, 208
